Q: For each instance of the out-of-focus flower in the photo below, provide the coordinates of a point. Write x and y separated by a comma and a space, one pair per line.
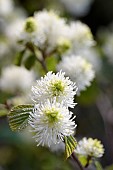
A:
16, 79
6, 7
11, 20
58, 148
51, 121
80, 36
28, 31
53, 35
78, 69
90, 147
92, 56
54, 86
14, 28
77, 7
49, 29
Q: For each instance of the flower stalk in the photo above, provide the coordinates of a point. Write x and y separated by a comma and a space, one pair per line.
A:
77, 161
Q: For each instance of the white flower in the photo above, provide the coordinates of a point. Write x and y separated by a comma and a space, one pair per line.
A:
78, 69
11, 22
29, 31
47, 29
91, 55
90, 147
80, 36
54, 86
50, 33
77, 7
51, 28
16, 79
14, 29
51, 121
6, 6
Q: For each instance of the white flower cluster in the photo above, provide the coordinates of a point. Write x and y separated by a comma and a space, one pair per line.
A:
7, 11
11, 20
80, 36
44, 30
6, 6
16, 79
51, 119
51, 29
55, 85
78, 69
90, 147
92, 56
14, 28
48, 31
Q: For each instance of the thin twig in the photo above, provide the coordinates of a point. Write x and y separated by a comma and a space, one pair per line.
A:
77, 161
41, 61
88, 160
44, 65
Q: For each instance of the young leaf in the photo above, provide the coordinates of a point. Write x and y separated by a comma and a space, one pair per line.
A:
18, 116
29, 62
19, 58
70, 144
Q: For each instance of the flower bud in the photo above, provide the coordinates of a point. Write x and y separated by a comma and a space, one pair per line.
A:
63, 45
30, 25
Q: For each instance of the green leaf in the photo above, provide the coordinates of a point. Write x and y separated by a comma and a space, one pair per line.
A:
82, 159
51, 62
29, 62
19, 57
70, 144
18, 116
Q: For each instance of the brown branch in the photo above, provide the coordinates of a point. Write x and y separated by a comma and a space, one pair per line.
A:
42, 60
77, 161
88, 161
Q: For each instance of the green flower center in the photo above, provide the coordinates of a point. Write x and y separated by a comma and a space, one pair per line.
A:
52, 115
57, 87
30, 25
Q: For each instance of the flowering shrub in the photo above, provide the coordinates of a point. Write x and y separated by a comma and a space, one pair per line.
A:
53, 68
